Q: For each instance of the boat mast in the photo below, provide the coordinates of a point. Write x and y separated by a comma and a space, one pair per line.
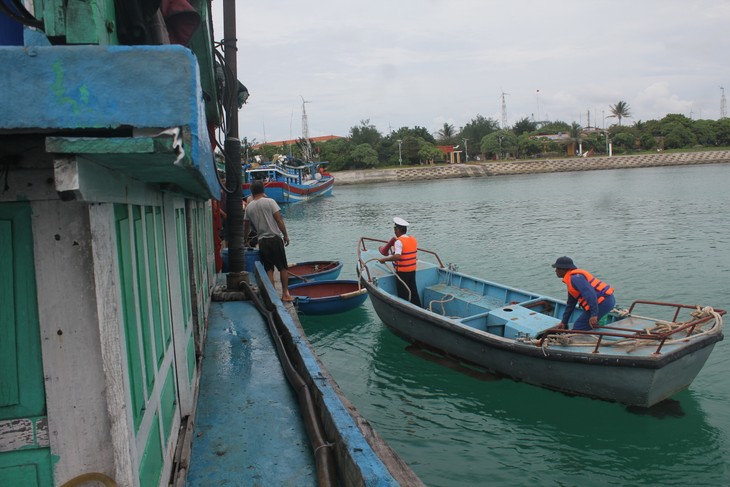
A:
306, 145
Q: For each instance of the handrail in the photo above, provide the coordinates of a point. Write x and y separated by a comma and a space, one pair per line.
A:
362, 247
619, 332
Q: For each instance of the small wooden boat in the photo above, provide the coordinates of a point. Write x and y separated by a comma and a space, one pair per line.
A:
632, 359
317, 270
327, 297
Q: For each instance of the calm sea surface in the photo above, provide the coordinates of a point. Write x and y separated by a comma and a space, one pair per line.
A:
656, 233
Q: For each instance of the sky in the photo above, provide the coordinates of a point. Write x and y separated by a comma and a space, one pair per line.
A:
407, 63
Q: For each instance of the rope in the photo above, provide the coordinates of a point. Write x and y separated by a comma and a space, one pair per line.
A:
660, 327
91, 477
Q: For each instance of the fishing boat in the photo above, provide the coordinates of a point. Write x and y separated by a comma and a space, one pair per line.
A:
631, 358
328, 297
316, 270
289, 181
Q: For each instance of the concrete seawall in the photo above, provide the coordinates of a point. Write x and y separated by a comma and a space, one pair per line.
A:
502, 168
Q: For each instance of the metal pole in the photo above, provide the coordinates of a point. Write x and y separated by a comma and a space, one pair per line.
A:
234, 208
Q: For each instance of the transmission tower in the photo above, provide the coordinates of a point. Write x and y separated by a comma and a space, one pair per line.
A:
504, 111
307, 144
723, 104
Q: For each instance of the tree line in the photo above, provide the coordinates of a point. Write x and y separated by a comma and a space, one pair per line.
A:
483, 139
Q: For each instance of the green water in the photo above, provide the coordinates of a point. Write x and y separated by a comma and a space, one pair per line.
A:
659, 233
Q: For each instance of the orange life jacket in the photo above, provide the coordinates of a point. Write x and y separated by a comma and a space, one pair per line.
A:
408, 259
602, 289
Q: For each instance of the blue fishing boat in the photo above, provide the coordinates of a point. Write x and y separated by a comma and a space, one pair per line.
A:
631, 359
328, 297
289, 181
316, 270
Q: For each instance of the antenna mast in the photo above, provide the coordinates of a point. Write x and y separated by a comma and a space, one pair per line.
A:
307, 145
723, 104
504, 111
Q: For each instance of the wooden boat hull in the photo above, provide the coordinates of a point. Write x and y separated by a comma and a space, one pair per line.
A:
500, 337
286, 183
327, 297
288, 193
319, 270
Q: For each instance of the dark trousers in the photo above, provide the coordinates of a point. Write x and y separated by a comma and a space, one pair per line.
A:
410, 281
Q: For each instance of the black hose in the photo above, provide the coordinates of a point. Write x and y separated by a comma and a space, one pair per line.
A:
19, 13
323, 451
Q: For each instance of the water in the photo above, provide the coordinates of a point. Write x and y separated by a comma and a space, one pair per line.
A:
655, 233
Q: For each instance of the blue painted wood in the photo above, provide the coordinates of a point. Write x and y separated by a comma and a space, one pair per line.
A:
371, 469
107, 87
248, 430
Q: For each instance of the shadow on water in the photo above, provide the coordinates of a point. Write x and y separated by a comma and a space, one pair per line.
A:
452, 364
668, 408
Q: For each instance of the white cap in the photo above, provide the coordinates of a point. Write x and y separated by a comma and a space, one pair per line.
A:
400, 222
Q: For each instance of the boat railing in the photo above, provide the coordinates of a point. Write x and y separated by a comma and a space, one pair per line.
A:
672, 329
362, 247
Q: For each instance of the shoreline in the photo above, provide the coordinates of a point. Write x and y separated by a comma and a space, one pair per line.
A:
504, 168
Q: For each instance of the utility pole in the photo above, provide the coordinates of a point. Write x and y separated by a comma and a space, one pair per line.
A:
723, 104
232, 150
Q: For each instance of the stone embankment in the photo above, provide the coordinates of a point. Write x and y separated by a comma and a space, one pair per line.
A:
502, 168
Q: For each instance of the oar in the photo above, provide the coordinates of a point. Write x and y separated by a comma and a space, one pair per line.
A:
305, 279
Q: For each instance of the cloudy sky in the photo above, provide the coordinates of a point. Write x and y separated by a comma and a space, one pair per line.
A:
428, 62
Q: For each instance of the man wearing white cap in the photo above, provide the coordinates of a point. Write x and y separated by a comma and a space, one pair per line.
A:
404, 259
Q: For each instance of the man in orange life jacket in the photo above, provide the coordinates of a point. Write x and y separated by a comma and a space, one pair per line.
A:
595, 296
404, 258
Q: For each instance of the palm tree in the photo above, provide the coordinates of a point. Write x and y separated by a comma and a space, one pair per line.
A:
621, 110
446, 133
576, 132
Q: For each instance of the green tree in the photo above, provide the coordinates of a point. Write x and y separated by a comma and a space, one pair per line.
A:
528, 146
423, 133
475, 130
647, 141
365, 133
336, 152
410, 146
678, 136
620, 110
499, 143
722, 131
428, 153
418, 132
705, 131
625, 141
363, 156
524, 126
